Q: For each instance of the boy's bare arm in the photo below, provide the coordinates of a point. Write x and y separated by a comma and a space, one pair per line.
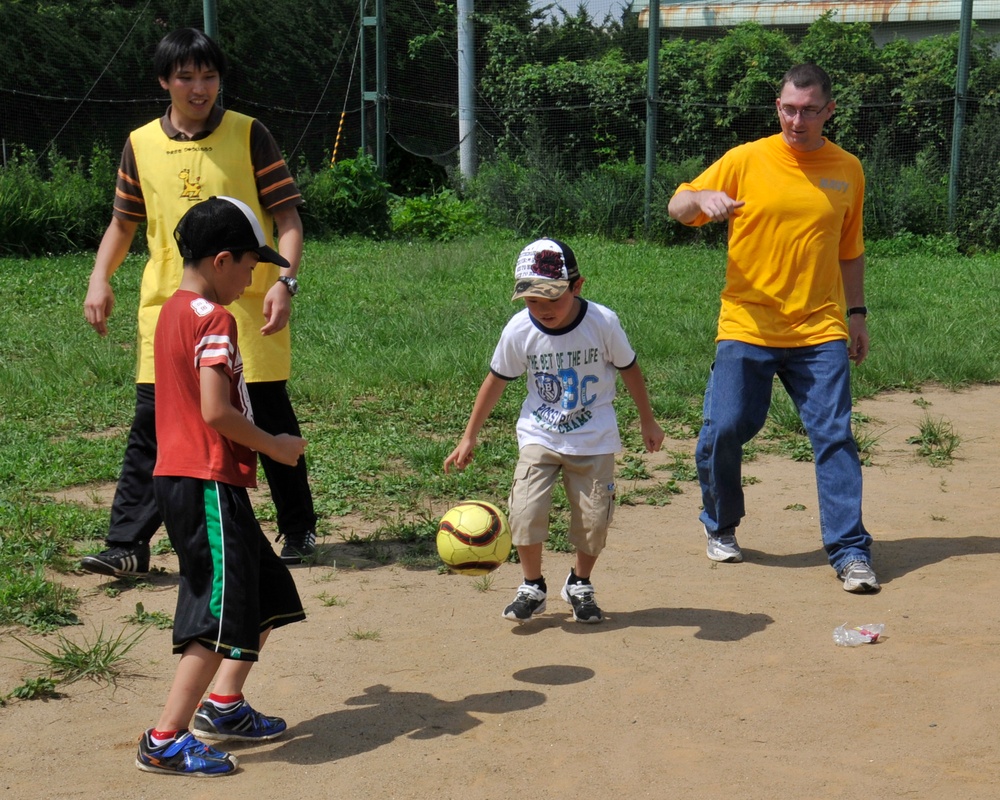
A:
220, 414
486, 399
277, 301
100, 300
652, 433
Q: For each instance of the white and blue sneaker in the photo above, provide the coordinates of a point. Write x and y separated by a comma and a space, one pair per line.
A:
184, 755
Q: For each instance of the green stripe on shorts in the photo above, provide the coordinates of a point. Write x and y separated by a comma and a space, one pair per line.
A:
213, 524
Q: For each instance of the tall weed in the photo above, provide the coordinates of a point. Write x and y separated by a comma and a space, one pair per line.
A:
101, 660
979, 204
531, 200
57, 206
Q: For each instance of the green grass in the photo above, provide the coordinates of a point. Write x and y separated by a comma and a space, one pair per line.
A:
101, 660
365, 636
937, 441
391, 342
158, 619
329, 600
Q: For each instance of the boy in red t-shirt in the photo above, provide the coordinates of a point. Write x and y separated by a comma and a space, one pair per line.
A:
233, 588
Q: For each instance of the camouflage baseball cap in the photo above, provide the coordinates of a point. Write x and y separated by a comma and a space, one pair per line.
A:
545, 269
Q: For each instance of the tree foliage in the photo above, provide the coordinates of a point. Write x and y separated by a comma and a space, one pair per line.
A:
560, 99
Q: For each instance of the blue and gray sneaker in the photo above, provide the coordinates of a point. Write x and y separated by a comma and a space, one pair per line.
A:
184, 755
241, 723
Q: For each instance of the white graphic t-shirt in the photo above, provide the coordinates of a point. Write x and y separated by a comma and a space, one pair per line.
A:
571, 376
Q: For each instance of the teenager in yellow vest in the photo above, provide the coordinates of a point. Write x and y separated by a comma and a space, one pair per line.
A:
197, 150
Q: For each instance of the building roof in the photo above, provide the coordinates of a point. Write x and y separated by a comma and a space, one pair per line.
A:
703, 14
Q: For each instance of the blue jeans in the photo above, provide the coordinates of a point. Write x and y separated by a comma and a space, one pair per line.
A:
737, 398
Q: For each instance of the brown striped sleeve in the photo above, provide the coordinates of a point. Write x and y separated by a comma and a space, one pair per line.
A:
275, 185
130, 205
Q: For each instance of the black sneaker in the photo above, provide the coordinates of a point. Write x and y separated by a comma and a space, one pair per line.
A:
184, 755
298, 547
119, 561
528, 601
581, 597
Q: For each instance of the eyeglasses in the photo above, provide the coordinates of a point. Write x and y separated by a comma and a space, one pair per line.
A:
790, 112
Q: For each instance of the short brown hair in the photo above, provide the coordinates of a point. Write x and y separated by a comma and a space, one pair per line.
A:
802, 76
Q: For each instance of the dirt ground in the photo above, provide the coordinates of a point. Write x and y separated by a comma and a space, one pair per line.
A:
706, 681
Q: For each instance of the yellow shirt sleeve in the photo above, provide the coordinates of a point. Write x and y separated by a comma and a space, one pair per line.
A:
803, 214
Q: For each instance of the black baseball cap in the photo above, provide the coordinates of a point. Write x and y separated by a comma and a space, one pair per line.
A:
219, 224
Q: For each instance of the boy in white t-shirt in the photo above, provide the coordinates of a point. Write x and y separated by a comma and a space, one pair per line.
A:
572, 351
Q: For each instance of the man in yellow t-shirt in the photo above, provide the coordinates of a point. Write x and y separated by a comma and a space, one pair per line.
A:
795, 271
197, 150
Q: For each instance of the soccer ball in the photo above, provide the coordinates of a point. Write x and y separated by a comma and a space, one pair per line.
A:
473, 538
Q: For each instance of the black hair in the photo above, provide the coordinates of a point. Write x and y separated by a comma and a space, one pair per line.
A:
802, 76
188, 46
236, 254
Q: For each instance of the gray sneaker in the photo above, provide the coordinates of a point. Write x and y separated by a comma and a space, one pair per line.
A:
723, 547
859, 577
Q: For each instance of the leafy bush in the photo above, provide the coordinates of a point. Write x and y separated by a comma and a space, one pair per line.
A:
55, 206
904, 198
441, 217
348, 198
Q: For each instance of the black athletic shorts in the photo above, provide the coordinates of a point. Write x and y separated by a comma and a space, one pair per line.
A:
233, 586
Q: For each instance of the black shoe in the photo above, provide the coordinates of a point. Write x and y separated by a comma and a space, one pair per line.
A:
242, 723
581, 597
119, 561
298, 546
530, 600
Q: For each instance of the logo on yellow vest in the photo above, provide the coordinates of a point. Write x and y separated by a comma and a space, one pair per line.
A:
192, 186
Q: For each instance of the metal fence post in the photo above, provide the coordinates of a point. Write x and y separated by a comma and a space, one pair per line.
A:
652, 99
961, 88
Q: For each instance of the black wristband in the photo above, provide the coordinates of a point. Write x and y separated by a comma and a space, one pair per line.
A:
862, 310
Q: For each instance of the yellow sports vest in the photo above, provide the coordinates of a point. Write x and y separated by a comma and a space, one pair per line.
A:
803, 215
174, 176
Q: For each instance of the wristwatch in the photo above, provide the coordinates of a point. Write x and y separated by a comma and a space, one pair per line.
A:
862, 310
291, 284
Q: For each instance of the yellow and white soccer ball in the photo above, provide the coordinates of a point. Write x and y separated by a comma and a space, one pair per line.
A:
473, 538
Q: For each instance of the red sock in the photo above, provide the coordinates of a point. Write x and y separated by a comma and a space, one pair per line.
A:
162, 737
225, 699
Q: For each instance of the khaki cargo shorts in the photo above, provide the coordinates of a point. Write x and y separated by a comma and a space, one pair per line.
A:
590, 487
